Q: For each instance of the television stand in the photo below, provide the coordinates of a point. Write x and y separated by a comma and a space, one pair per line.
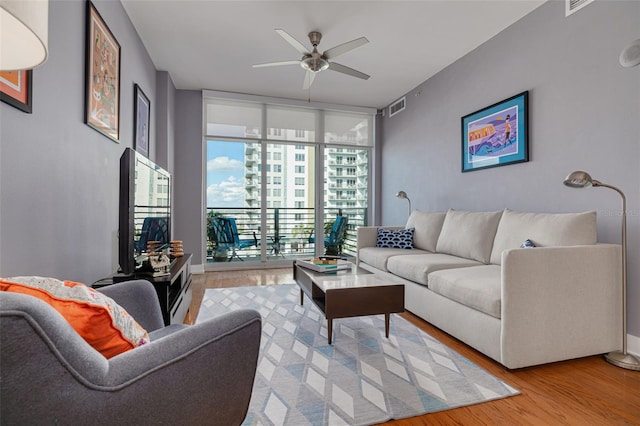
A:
174, 289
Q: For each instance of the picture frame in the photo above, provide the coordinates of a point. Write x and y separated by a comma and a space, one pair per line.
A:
102, 85
15, 89
496, 135
141, 121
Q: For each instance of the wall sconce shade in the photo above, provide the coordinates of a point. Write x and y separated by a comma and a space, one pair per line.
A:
24, 34
580, 179
630, 55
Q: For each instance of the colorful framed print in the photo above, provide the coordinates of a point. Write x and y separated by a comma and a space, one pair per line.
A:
15, 89
496, 135
102, 95
142, 117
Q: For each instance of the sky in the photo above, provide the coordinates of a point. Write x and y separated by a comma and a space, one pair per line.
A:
225, 174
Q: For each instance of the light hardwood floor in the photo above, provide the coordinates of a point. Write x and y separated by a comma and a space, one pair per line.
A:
587, 391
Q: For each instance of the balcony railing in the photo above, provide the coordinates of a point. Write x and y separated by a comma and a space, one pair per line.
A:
287, 235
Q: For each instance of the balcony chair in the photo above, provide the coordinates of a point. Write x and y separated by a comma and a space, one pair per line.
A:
227, 238
187, 375
153, 229
334, 241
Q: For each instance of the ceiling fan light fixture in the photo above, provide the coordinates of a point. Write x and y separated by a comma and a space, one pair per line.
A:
315, 64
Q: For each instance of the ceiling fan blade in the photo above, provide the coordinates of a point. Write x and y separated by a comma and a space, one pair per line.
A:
293, 42
346, 70
336, 51
276, 64
308, 80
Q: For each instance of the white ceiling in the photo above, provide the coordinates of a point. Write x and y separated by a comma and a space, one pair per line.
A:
208, 44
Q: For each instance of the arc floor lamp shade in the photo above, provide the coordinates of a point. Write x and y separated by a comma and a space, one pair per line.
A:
24, 34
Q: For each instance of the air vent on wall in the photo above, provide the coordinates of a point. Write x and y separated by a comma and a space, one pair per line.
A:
396, 107
572, 6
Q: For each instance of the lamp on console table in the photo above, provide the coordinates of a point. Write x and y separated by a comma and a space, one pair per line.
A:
622, 359
402, 194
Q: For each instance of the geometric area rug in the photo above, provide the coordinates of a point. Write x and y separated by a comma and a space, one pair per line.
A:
363, 378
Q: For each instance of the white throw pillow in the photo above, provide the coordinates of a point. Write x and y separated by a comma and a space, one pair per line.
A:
545, 229
468, 234
427, 229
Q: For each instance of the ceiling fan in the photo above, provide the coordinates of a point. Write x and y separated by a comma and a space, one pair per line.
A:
314, 62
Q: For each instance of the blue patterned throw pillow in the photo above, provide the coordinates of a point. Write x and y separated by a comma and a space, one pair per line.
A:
527, 244
402, 238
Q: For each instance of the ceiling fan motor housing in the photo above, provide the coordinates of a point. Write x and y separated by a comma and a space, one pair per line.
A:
315, 37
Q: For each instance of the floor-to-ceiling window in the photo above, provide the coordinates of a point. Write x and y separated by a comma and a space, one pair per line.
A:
283, 173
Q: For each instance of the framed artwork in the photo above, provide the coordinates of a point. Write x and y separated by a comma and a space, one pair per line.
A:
142, 117
102, 93
496, 135
15, 89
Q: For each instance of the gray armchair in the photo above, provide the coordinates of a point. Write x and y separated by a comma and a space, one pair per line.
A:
188, 375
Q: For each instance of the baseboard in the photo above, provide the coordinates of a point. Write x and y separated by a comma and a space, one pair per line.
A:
633, 344
197, 269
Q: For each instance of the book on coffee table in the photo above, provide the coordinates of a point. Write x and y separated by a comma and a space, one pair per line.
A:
339, 265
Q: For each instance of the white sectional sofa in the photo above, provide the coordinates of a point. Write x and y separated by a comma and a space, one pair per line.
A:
468, 276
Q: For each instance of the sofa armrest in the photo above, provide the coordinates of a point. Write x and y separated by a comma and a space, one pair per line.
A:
140, 300
367, 237
560, 303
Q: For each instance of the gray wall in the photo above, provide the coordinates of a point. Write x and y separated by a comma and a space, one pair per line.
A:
584, 115
58, 177
188, 189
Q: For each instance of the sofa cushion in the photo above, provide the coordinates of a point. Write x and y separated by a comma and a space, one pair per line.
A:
544, 229
378, 256
468, 234
427, 229
401, 238
101, 322
477, 287
417, 268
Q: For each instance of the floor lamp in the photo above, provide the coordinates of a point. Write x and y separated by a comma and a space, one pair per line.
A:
622, 359
402, 194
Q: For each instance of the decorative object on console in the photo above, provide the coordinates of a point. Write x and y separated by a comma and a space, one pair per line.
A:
15, 89
496, 135
142, 119
176, 248
102, 96
402, 194
24, 33
580, 179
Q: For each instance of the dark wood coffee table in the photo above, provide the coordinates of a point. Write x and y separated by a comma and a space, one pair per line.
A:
349, 293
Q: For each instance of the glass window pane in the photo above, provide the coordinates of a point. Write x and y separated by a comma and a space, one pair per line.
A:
233, 200
346, 191
291, 214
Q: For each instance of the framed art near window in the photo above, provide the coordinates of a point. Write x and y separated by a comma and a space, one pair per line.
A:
496, 135
102, 87
142, 117
15, 89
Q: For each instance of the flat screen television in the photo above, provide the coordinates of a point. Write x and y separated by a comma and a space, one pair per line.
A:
145, 208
